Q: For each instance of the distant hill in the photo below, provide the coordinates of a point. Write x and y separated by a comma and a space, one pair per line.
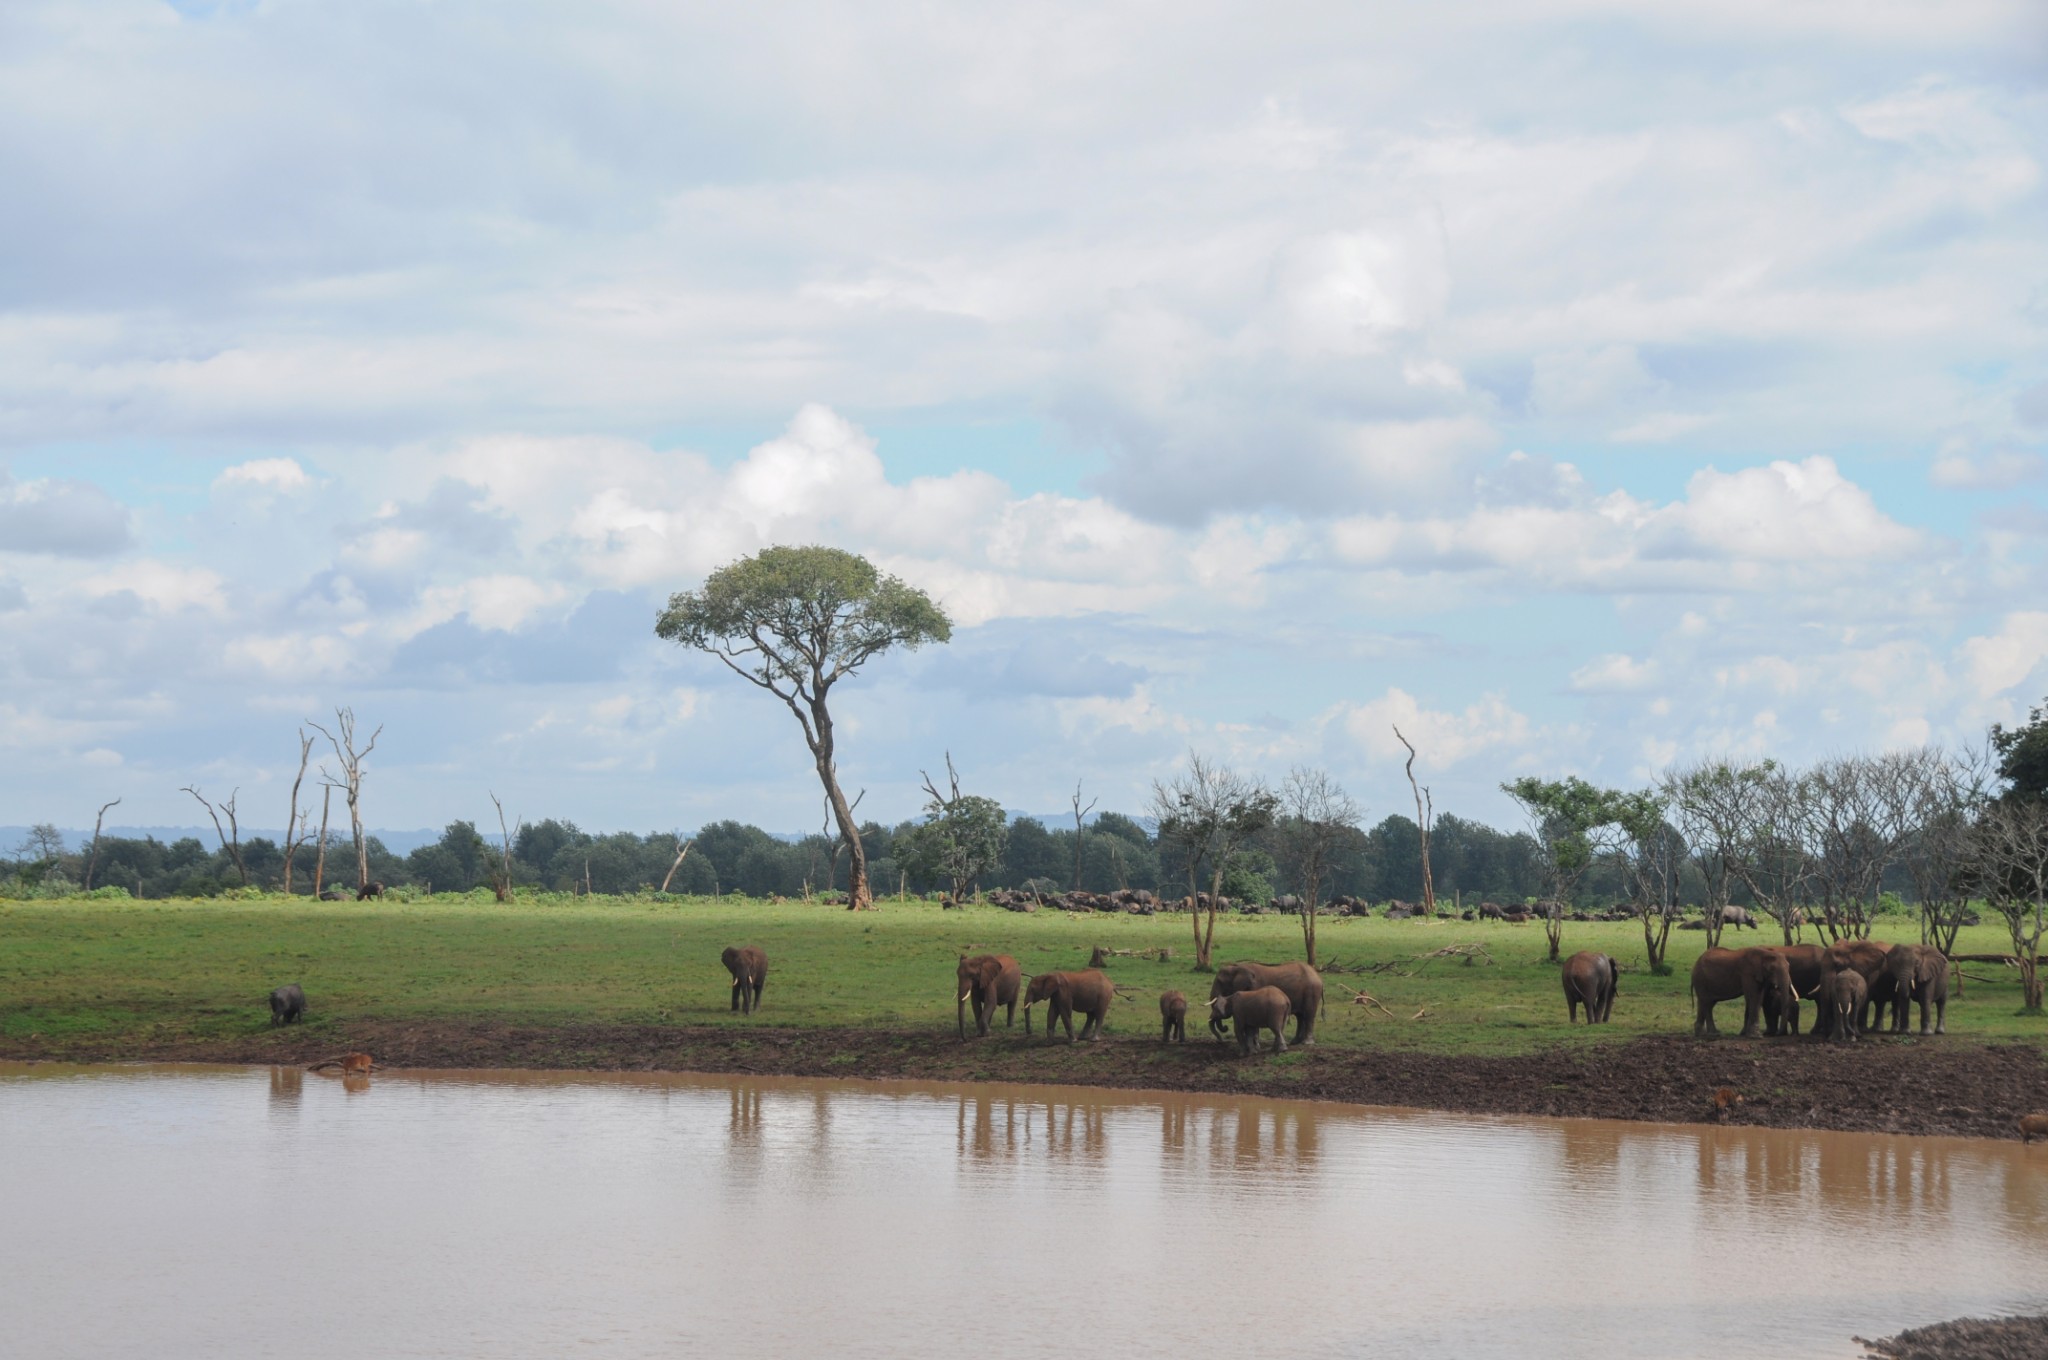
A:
398, 842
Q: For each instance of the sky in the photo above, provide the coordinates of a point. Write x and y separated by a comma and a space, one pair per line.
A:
1582, 386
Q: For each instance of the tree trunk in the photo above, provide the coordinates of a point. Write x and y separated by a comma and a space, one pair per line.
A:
1215, 901
858, 895
1195, 919
1553, 925
320, 858
1307, 908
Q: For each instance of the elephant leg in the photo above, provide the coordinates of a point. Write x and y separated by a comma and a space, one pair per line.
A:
1011, 1021
1279, 1038
1752, 1008
735, 995
1940, 1015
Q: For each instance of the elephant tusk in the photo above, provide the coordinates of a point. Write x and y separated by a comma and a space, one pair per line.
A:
965, 995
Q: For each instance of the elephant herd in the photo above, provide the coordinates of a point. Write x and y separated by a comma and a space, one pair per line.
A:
1850, 982
1254, 997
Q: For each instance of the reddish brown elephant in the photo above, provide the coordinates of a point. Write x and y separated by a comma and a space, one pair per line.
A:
1807, 963
1759, 976
1917, 973
1590, 979
1173, 1017
1866, 957
749, 969
987, 981
1088, 991
1261, 1008
1303, 985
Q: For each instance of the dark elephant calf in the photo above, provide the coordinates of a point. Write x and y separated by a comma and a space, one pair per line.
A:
287, 1004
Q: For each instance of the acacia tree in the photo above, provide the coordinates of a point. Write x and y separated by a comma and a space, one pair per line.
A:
1316, 816
962, 838
795, 622
1769, 856
2012, 849
1708, 802
1653, 857
1207, 815
1564, 814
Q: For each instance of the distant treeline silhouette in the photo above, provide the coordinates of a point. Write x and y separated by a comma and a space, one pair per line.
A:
1379, 864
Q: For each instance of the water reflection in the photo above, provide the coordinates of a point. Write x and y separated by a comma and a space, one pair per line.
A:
656, 1215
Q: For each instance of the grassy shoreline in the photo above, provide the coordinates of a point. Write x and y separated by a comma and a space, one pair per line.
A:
628, 983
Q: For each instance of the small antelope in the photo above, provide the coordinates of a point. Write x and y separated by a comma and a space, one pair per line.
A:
2033, 1126
1726, 1098
351, 1065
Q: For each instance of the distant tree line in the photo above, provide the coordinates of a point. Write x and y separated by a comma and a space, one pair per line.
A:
1381, 863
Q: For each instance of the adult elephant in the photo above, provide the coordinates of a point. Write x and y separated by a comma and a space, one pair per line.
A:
1868, 958
749, 969
1917, 973
1088, 991
1302, 984
988, 981
1261, 1008
1759, 976
1590, 979
1808, 966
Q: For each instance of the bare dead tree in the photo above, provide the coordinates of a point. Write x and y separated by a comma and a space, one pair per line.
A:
295, 821
1080, 817
320, 858
1425, 813
351, 758
503, 886
682, 853
230, 839
1705, 801
92, 862
1315, 817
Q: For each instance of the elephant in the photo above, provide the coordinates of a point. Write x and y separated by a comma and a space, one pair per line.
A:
988, 981
749, 969
1844, 993
287, 1003
1761, 977
1808, 965
1173, 1017
368, 891
1251, 1011
1590, 979
1917, 972
1088, 991
1303, 985
1866, 957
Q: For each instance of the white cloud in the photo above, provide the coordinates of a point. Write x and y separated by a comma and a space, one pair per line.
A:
1614, 673
267, 474
2000, 471
1442, 738
1999, 661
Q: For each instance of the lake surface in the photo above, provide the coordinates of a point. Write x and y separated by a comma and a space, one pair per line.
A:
157, 1211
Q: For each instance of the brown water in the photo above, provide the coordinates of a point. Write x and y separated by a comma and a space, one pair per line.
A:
266, 1212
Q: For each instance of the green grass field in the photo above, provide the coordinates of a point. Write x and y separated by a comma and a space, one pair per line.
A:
202, 968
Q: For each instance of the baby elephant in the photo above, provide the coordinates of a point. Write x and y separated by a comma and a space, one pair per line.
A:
1846, 992
1252, 1011
1590, 979
1173, 1018
287, 1004
749, 969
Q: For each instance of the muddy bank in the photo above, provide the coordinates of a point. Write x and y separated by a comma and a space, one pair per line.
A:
2024, 1338
1946, 1086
